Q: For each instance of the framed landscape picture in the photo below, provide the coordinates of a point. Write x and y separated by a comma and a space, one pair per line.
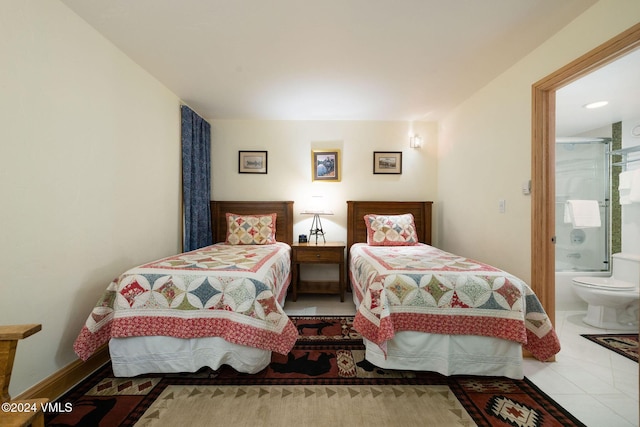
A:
252, 162
325, 165
387, 162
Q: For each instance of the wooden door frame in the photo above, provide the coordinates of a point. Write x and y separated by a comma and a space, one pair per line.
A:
543, 158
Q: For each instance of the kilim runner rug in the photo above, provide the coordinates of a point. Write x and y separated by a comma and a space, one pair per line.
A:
324, 381
623, 344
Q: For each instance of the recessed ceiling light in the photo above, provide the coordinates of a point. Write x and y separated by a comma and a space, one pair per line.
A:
596, 104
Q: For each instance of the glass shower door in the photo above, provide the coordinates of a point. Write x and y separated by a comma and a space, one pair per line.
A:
582, 174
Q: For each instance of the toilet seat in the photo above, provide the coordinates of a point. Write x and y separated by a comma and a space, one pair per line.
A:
604, 283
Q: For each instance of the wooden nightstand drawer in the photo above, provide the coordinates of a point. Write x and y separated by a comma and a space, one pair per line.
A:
318, 255
322, 253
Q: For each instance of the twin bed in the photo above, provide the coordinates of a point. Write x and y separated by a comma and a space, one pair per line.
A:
217, 305
418, 308
423, 309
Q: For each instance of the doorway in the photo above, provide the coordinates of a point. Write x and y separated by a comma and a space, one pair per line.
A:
543, 158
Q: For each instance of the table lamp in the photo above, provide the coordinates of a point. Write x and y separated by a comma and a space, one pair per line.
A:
316, 225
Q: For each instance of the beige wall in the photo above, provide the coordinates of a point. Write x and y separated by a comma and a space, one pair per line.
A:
485, 146
289, 145
89, 172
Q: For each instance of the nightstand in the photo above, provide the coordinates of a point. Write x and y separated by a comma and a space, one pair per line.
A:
321, 253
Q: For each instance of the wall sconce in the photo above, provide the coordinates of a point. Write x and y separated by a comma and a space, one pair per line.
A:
415, 141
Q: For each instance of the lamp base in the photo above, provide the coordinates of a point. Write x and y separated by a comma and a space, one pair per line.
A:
316, 229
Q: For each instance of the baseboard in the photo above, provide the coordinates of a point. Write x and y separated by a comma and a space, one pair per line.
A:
57, 384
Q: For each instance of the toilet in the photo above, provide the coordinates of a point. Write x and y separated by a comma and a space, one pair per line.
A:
612, 301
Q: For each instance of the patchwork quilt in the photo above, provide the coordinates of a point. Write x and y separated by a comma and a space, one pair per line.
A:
228, 291
422, 288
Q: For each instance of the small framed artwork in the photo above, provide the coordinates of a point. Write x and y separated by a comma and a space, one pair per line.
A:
325, 165
387, 162
252, 162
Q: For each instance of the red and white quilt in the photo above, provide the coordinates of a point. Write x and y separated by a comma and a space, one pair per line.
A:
227, 291
422, 288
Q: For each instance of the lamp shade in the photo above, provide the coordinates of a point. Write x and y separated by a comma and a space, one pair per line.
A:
316, 206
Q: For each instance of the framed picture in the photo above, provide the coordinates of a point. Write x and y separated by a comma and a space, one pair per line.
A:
252, 162
387, 162
325, 165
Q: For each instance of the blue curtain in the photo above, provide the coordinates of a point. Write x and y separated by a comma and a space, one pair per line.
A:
196, 179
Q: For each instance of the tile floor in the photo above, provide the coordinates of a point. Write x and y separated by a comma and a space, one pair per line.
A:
596, 385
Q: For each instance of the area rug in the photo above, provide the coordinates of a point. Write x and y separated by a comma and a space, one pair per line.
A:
624, 344
324, 381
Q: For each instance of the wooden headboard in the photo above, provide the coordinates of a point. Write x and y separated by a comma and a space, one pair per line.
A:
284, 219
356, 227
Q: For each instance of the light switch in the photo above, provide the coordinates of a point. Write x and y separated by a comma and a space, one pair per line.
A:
502, 206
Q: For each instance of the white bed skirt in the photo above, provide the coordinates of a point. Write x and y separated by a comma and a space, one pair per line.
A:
143, 355
449, 354
133, 356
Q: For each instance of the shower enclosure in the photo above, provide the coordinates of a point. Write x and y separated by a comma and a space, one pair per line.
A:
582, 173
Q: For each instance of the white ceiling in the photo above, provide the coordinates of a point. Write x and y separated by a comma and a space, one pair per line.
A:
618, 83
329, 59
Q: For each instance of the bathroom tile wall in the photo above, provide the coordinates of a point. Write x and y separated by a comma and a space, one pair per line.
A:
616, 211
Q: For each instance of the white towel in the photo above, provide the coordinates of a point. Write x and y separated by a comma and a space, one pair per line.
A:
634, 192
624, 187
582, 213
625, 197
629, 187
625, 180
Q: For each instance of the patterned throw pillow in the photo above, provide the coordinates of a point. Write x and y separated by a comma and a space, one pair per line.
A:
391, 230
251, 229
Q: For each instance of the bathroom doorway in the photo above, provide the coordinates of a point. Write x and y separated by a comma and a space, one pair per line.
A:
543, 137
